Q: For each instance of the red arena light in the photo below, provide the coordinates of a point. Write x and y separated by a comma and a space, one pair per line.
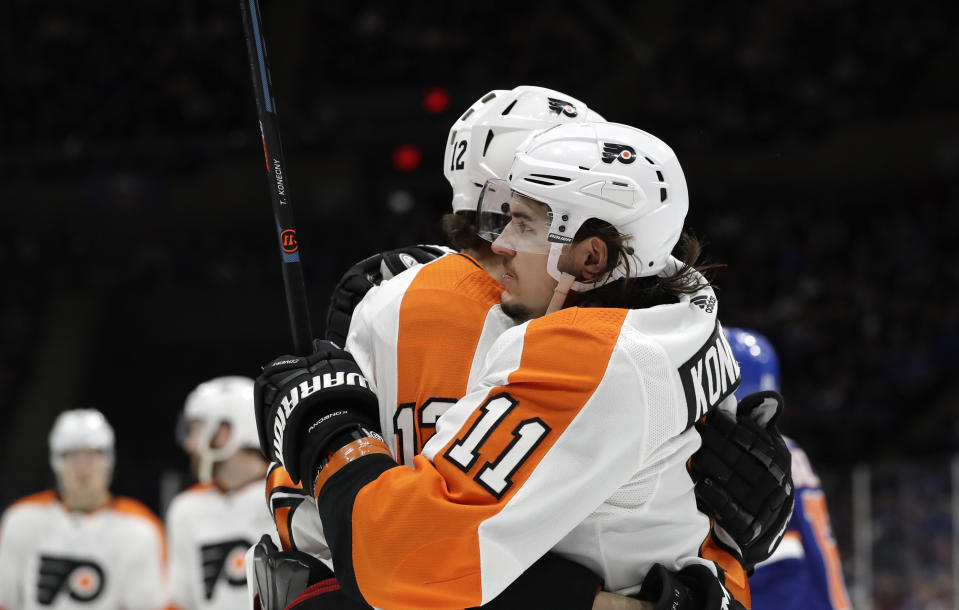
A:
407, 157
436, 100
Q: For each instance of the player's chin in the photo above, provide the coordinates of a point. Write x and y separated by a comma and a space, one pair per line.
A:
514, 309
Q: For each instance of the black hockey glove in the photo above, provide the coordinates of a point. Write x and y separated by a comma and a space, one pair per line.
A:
743, 475
307, 407
694, 587
291, 579
362, 276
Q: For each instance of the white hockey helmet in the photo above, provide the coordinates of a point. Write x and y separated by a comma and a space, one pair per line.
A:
80, 429
483, 141
220, 400
609, 171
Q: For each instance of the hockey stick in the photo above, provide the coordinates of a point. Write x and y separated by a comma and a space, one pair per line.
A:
279, 185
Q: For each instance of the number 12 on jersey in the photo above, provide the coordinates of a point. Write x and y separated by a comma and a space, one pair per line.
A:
496, 475
415, 425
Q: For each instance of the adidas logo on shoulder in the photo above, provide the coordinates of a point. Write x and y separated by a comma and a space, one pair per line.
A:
705, 302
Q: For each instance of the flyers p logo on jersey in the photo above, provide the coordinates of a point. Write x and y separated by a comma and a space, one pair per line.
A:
82, 579
226, 559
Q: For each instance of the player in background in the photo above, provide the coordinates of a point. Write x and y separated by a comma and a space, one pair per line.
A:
587, 407
212, 524
79, 546
190, 429
805, 571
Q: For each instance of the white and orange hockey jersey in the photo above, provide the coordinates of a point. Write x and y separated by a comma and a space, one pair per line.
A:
108, 559
209, 533
419, 337
574, 437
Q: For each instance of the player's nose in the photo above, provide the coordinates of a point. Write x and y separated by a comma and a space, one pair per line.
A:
499, 249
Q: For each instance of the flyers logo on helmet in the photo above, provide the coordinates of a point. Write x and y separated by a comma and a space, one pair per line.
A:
561, 106
623, 152
83, 579
226, 559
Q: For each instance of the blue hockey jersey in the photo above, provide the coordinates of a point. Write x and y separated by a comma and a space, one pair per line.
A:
805, 571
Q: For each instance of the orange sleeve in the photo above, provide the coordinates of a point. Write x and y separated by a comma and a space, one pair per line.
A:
414, 531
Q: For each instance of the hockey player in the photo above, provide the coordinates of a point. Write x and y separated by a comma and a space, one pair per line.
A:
190, 429
472, 513
805, 571
212, 524
80, 546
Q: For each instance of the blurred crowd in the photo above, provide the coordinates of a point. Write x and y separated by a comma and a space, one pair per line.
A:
89, 78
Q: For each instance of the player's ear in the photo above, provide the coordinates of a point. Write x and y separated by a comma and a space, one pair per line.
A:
587, 258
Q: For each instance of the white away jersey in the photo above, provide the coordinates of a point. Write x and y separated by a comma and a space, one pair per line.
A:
209, 533
108, 559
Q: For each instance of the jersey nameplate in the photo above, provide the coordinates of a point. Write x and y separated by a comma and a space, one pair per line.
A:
710, 376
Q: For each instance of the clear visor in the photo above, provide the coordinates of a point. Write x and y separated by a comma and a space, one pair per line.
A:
511, 220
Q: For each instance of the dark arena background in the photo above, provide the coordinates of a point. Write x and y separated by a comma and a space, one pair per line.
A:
820, 142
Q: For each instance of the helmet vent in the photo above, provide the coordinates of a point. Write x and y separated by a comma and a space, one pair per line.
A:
662, 195
489, 96
466, 114
550, 177
509, 108
659, 175
489, 138
651, 162
547, 179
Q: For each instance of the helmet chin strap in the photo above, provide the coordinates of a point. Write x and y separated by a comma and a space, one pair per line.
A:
559, 293
567, 282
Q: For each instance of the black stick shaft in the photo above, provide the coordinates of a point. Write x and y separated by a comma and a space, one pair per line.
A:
276, 171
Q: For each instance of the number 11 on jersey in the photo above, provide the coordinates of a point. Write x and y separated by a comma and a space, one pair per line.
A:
496, 475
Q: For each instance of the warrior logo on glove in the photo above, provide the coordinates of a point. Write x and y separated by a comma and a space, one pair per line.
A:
303, 403
303, 390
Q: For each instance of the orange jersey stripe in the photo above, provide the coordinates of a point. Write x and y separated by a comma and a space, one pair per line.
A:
130, 506
42, 497
278, 480
814, 505
199, 487
440, 322
429, 539
279, 477
736, 580
281, 517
